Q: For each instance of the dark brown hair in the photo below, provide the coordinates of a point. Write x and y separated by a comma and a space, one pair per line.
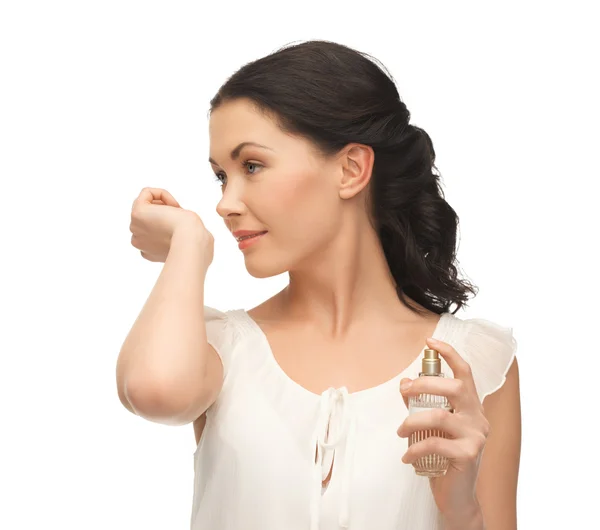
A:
333, 95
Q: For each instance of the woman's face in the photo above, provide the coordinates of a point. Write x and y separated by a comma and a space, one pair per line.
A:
284, 187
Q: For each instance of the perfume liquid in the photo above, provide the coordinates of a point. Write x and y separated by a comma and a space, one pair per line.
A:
429, 465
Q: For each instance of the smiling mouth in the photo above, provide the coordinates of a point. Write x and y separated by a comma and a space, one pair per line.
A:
243, 238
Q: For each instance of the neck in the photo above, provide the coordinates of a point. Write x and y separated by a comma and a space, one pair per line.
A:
345, 285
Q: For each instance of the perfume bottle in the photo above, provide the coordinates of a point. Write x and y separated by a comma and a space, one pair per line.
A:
429, 465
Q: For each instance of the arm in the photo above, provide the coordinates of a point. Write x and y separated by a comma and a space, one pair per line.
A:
166, 370
499, 469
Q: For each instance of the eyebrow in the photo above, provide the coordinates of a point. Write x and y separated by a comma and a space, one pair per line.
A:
236, 152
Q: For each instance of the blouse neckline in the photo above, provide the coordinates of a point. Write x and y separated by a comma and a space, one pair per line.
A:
365, 393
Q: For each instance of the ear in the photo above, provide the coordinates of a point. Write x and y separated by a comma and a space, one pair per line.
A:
357, 165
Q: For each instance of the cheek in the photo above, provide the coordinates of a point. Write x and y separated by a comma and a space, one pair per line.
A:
304, 207
302, 217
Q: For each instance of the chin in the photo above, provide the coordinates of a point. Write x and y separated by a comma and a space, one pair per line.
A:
259, 269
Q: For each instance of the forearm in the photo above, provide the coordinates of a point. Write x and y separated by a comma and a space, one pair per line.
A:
167, 342
473, 520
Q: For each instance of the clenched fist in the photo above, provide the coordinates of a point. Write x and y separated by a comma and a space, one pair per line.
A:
156, 217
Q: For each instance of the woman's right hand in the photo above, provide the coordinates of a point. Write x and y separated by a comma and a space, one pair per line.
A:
156, 216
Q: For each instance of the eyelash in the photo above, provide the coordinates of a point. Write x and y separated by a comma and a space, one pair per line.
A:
245, 163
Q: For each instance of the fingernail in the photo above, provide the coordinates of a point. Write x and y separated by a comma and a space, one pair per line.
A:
434, 341
405, 385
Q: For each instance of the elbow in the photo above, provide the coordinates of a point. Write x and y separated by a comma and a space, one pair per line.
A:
159, 402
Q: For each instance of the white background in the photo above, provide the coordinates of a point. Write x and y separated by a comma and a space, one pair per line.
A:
99, 99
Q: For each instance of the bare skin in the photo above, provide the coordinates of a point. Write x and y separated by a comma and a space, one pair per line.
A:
298, 349
341, 302
363, 359
333, 324
339, 322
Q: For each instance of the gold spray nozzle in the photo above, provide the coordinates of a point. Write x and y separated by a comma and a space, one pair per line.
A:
431, 362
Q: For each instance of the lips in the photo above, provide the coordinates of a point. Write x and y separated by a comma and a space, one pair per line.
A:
243, 238
250, 241
241, 235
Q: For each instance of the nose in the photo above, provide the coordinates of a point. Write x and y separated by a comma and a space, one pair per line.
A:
230, 203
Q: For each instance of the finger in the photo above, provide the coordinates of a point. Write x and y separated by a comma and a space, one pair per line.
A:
168, 199
454, 389
149, 257
148, 195
455, 425
460, 368
404, 381
457, 450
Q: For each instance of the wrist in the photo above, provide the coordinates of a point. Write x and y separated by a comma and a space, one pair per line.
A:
192, 236
190, 227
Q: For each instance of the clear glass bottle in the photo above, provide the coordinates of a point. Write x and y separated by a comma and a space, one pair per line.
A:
429, 465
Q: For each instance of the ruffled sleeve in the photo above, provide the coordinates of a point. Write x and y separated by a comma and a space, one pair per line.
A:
220, 335
490, 349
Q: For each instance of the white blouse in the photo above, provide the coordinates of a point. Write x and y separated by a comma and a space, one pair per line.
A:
265, 449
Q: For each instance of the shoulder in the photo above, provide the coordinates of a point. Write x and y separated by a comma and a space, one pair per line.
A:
268, 310
490, 349
216, 321
221, 333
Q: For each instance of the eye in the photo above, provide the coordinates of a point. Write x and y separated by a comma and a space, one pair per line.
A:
247, 164
220, 177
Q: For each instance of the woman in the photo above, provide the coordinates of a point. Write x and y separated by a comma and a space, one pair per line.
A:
299, 405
